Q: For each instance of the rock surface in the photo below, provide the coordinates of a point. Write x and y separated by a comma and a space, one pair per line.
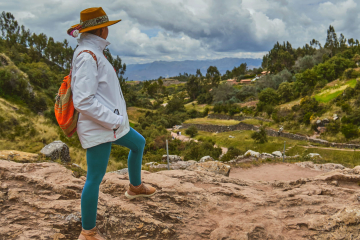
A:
174, 166
206, 159
56, 150
42, 201
212, 166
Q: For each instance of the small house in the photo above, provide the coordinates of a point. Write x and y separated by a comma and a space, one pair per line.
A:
245, 81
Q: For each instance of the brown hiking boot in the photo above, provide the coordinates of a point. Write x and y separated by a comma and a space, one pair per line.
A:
139, 191
92, 234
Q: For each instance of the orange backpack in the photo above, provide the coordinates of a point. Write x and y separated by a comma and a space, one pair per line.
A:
65, 112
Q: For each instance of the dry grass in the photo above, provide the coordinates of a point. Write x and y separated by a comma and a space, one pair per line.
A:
209, 121
289, 105
134, 113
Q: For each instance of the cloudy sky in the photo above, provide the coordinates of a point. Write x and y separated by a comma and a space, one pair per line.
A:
173, 30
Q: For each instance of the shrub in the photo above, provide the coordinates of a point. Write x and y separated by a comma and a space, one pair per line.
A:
346, 108
205, 98
231, 154
195, 151
306, 118
350, 131
192, 131
333, 127
260, 136
193, 113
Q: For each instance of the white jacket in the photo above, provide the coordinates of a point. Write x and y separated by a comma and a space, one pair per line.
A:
97, 94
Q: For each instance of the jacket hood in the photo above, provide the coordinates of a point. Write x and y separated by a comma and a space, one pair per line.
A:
93, 40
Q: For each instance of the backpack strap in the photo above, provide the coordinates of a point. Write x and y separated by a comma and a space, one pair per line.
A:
92, 54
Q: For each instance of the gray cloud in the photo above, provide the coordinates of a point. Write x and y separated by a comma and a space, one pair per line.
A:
195, 29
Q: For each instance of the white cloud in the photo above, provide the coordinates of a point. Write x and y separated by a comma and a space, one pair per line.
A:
195, 29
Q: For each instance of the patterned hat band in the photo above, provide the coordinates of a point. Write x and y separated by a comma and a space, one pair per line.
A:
94, 22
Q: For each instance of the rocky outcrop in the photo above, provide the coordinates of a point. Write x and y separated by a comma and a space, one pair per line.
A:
56, 150
206, 159
211, 166
172, 158
42, 201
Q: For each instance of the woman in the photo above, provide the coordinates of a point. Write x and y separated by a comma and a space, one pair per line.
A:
103, 119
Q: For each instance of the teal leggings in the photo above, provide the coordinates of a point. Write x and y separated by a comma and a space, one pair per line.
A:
97, 160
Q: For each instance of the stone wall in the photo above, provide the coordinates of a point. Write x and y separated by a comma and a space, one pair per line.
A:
269, 132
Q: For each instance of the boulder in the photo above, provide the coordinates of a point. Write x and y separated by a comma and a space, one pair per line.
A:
231, 136
206, 159
314, 155
252, 154
266, 155
277, 154
56, 150
18, 156
212, 166
335, 117
172, 158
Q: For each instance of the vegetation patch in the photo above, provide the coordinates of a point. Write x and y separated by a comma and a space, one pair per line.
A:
331, 93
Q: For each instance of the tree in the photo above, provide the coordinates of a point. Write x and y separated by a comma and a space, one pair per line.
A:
287, 92
213, 76
193, 87
223, 93
269, 96
332, 42
192, 131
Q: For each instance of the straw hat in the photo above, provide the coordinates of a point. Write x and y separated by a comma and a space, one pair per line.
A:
91, 19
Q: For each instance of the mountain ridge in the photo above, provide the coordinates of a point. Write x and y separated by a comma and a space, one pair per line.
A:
154, 70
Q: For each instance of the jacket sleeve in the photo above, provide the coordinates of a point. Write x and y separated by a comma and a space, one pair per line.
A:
84, 84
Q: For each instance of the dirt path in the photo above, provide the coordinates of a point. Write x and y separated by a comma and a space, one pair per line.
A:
272, 172
187, 139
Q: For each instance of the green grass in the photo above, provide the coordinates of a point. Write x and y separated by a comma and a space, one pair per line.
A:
244, 142
346, 158
330, 93
197, 107
209, 121
253, 121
